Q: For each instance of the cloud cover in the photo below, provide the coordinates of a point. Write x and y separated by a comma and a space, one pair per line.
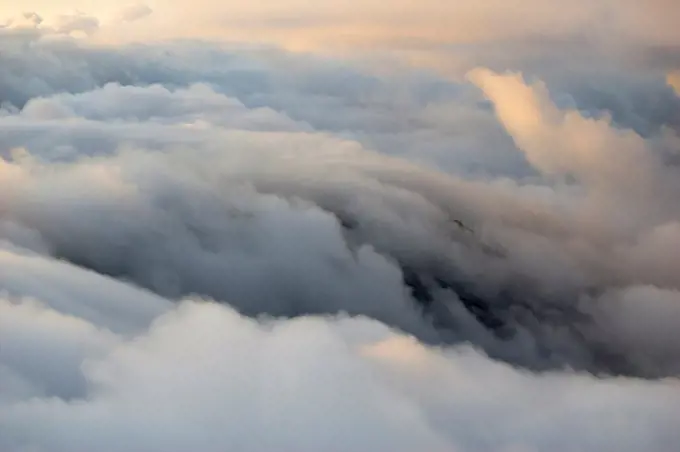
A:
207, 245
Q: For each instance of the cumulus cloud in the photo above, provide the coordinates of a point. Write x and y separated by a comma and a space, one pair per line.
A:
209, 245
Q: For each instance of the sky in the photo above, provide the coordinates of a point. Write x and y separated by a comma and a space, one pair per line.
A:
345, 226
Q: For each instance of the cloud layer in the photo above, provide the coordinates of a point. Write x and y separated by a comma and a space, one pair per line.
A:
207, 245
306, 384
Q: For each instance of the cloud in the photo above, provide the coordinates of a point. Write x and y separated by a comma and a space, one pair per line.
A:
558, 142
43, 350
189, 191
561, 142
25, 20
209, 244
135, 12
70, 290
203, 375
77, 23
673, 79
327, 96
630, 315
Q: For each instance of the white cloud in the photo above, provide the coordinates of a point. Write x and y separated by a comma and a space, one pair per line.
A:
202, 376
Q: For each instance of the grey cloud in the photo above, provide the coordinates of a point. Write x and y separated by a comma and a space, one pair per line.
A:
45, 350
642, 320
73, 291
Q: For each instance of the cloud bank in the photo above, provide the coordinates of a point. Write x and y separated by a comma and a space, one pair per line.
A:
310, 383
207, 245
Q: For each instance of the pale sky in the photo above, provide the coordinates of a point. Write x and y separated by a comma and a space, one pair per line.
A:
52, 7
432, 20
419, 31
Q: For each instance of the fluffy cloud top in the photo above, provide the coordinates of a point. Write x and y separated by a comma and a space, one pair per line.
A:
307, 384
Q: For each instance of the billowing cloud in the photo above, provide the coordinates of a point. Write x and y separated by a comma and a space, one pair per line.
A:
308, 384
364, 224
567, 143
208, 244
